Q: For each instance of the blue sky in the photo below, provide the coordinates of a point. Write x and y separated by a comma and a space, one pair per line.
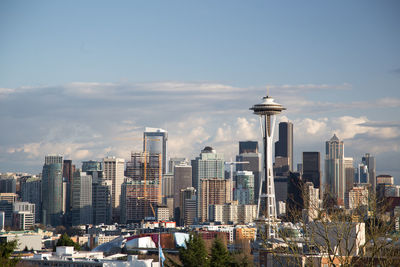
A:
83, 78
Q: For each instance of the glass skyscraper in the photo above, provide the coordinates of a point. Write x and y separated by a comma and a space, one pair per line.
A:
209, 164
52, 190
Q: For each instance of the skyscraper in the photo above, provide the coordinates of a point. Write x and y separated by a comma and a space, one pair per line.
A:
284, 147
101, 192
312, 168
209, 164
248, 147
141, 193
254, 165
173, 162
369, 161
334, 168
114, 172
155, 142
82, 212
31, 191
213, 191
52, 190
182, 180
244, 191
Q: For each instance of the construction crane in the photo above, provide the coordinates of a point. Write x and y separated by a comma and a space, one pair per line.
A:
231, 163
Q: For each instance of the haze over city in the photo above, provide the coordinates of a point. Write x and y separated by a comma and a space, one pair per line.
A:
84, 79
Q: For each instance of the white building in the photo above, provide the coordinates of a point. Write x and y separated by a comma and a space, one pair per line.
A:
114, 171
232, 213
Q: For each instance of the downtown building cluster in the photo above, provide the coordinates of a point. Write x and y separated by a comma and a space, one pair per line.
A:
151, 190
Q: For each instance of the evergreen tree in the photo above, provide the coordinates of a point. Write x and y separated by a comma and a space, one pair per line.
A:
195, 254
220, 256
6, 249
65, 240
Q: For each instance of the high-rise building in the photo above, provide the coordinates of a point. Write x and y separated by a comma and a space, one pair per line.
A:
68, 174
23, 215
209, 164
232, 213
52, 190
7, 201
284, 147
101, 192
182, 180
167, 188
82, 212
114, 172
369, 161
362, 174
53, 159
248, 147
254, 165
357, 197
311, 201
312, 168
173, 162
334, 169
295, 201
213, 191
141, 193
155, 142
244, 191
187, 206
8, 185
267, 110
348, 173
31, 191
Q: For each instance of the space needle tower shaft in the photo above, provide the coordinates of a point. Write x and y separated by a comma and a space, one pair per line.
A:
267, 110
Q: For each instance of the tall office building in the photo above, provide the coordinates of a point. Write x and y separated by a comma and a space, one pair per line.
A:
167, 186
141, 193
244, 191
26, 218
362, 174
348, 174
248, 147
209, 164
52, 190
187, 206
82, 212
8, 185
312, 168
248, 151
284, 147
155, 142
68, 173
334, 168
369, 161
101, 192
173, 162
213, 191
7, 201
31, 191
53, 159
182, 180
114, 172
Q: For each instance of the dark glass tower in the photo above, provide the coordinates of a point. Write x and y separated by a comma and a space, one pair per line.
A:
369, 161
52, 194
248, 147
284, 147
312, 168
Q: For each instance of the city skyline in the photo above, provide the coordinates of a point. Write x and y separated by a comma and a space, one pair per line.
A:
88, 92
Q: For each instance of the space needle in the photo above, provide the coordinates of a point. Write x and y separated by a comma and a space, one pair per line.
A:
267, 110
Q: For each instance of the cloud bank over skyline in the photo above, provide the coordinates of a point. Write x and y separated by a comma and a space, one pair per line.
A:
91, 120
